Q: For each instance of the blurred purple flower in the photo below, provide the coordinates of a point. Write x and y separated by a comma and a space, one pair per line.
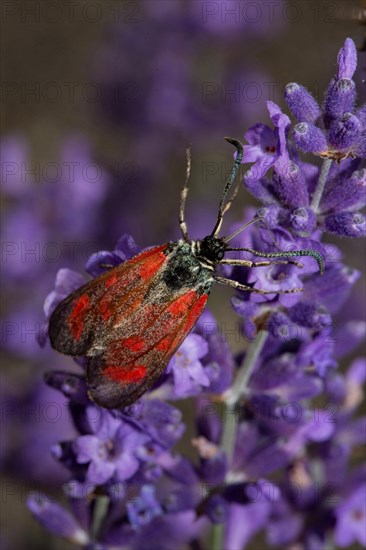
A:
189, 374
56, 519
351, 518
110, 451
33, 421
145, 508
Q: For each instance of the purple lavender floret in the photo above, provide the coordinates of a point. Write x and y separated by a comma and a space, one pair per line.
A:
110, 451
186, 366
345, 193
301, 219
351, 515
302, 104
56, 519
125, 249
346, 224
309, 138
145, 508
344, 132
340, 99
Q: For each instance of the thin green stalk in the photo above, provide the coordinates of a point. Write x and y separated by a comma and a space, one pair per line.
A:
217, 540
318, 193
99, 514
245, 372
228, 435
239, 388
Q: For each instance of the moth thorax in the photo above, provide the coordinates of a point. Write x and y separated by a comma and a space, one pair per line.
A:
182, 270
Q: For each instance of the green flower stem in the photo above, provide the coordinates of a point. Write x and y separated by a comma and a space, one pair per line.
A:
239, 389
318, 193
217, 540
240, 385
99, 514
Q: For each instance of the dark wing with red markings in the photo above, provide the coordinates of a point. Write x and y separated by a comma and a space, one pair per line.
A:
88, 313
129, 324
134, 357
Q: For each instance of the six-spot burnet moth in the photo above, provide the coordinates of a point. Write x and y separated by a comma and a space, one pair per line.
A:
129, 321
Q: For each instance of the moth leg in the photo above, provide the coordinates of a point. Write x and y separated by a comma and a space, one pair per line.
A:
249, 263
183, 197
239, 286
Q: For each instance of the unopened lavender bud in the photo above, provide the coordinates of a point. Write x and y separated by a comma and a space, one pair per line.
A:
56, 519
271, 215
339, 98
309, 138
279, 326
359, 148
361, 115
302, 219
217, 509
71, 385
344, 133
302, 104
310, 315
347, 59
346, 224
289, 184
346, 194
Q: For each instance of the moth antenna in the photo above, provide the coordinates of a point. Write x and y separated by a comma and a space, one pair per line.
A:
289, 254
254, 220
229, 183
183, 196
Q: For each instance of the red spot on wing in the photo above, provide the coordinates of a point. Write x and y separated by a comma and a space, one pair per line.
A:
183, 303
195, 312
157, 250
147, 313
105, 310
124, 289
164, 344
127, 310
188, 302
134, 343
76, 319
111, 281
150, 261
124, 374
151, 266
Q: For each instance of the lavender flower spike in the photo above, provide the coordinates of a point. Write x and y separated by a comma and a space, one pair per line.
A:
351, 516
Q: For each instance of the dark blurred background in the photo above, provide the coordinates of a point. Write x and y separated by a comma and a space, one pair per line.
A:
99, 101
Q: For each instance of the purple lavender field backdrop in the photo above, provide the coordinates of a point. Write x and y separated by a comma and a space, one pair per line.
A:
254, 436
